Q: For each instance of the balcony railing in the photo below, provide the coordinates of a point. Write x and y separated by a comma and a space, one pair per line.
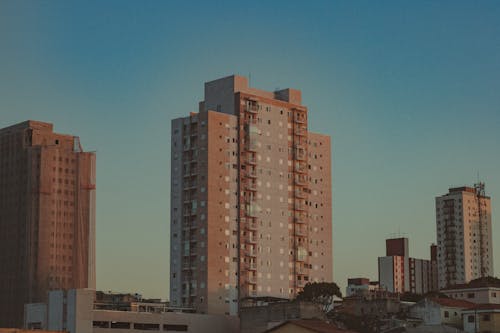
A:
252, 107
300, 132
300, 155
251, 226
300, 206
251, 239
251, 266
300, 232
299, 219
300, 194
300, 181
250, 253
251, 160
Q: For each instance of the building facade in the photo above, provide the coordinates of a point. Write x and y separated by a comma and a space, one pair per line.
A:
47, 216
360, 286
463, 224
400, 273
250, 199
77, 311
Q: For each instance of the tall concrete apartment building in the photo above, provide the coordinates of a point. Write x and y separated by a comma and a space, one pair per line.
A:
47, 216
463, 223
250, 199
400, 273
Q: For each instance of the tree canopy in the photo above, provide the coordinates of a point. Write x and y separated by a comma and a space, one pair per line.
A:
320, 293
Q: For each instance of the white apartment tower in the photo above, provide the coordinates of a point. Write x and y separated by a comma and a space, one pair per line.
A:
463, 223
250, 199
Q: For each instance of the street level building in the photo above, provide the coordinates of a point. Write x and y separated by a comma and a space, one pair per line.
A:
47, 216
463, 224
250, 199
77, 311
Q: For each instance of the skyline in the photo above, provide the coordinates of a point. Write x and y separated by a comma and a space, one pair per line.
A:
400, 82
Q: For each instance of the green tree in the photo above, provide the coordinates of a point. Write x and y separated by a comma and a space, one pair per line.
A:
320, 293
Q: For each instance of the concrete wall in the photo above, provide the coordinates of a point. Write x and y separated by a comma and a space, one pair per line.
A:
429, 312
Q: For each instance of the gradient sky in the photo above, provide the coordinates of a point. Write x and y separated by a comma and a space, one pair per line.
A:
408, 90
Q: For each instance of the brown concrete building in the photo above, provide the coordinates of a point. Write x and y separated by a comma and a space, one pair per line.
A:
47, 216
250, 199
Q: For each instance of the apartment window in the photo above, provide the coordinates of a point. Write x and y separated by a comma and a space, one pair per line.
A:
470, 319
147, 327
446, 314
120, 325
100, 324
470, 295
175, 327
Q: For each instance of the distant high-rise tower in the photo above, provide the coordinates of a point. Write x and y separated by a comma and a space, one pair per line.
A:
250, 199
463, 223
47, 216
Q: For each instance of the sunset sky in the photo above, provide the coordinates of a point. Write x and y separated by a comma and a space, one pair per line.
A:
408, 91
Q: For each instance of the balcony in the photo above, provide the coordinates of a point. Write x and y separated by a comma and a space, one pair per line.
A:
301, 181
300, 132
252, 107
302, 270
251, 239
299, 219
299, 146
300, 167
300, 155
299, 119
250, 253
301, 283
251, 160
190, 185
251, 146
300, 206
252, 293
251, 174
300, 194
252, 280
251, 266
251, 187
252, 226
300, 232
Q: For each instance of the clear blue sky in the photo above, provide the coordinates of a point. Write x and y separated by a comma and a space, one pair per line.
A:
408, 90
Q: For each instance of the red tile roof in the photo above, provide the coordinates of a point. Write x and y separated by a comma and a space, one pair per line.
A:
315, 325
486, 307
453, 303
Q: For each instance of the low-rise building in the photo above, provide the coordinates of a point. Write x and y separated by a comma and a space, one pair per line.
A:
480, 291
76, 311
378, 303
482, 318
440, 311
360, 285
262, 313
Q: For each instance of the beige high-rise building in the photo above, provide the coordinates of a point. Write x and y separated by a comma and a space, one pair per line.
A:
463, 222
47, 216
250, 199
